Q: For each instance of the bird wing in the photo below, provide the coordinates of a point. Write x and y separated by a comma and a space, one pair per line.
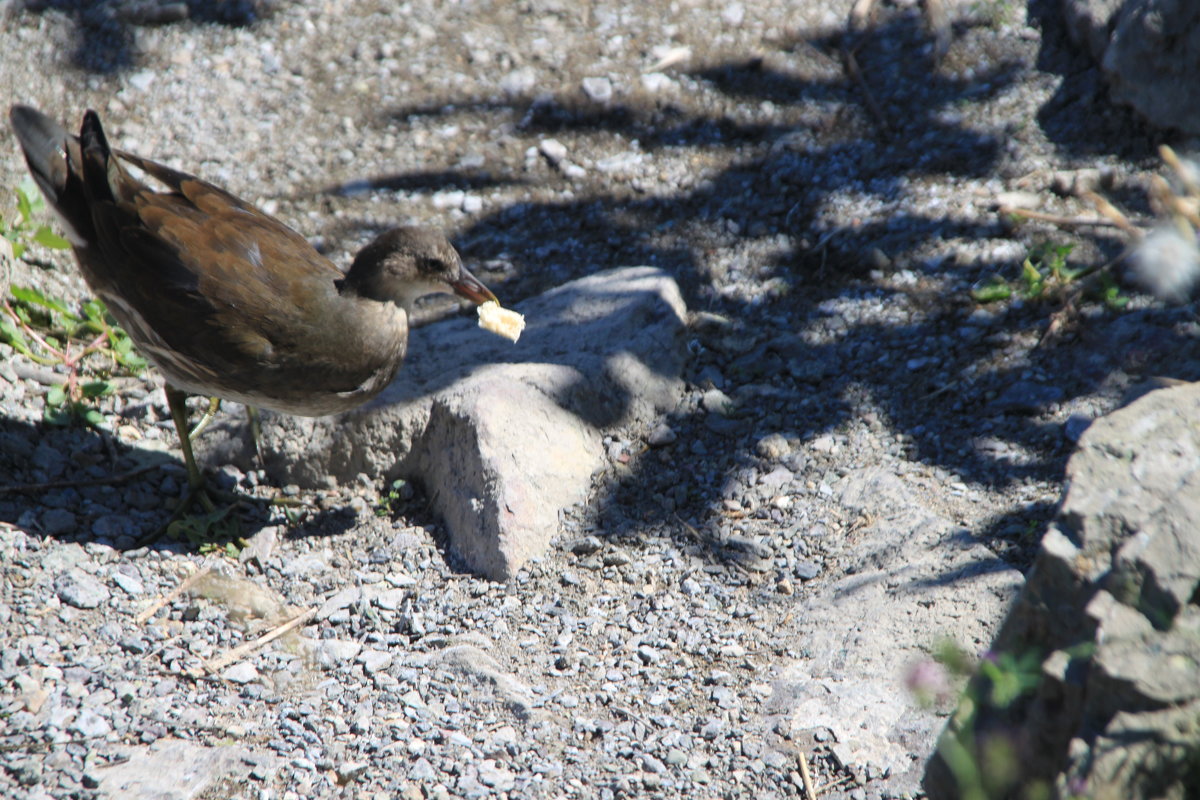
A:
207, 271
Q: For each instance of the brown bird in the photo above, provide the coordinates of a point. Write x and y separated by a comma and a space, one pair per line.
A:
226, 301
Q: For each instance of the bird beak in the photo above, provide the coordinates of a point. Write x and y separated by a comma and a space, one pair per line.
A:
468, 286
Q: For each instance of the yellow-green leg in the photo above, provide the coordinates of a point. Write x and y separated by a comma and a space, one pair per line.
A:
210, 413
177, 402
256, 433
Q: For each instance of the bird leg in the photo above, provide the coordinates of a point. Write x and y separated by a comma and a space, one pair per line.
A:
210, 413
256, 434
177, 402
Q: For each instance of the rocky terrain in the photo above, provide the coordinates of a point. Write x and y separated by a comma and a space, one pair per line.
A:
858, 464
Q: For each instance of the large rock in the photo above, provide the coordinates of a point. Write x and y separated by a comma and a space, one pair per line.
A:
1109, 622
1149, 52
505, 436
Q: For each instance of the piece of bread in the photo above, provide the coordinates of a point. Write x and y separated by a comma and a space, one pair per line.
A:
501, 321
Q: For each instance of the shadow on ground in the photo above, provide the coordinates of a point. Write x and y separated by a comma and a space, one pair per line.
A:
749, 241
105, 31
973, 403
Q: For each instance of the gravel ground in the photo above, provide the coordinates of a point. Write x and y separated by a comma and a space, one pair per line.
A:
826, 231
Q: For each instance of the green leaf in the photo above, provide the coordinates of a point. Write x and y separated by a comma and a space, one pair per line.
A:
48, 238
1035, 282
18, 249
56, 396
1113, 298
33, 194
13, 335
1068, 274
34, 297
133, 362
93, 417
24, 205
95, 311
993, 289
97, 388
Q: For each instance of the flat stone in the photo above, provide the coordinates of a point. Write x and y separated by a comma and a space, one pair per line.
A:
897, 594
661, 435
329, 653
64, 557
90, 725
130, 584
780, 476
58, 521
1026, 397
173, 769
503, 436
599, 90
375, 660
79, 589
494, 775
342, 599
243, 672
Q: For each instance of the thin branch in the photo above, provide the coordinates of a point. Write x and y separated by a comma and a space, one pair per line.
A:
219, 663
166, 599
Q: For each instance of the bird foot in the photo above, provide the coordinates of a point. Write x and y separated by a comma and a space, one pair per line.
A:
209, 527
210, 413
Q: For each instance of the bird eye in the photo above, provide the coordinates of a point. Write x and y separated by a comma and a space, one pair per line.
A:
431, 265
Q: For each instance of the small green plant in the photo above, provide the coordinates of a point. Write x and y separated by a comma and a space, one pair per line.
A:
387, 503
46, 331
23, 229
215, 532
1045, 275
984, 767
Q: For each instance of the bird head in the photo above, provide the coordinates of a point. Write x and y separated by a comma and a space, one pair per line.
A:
405, 264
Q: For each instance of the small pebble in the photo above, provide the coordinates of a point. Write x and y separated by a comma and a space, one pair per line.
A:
661, 435
773, 447
81, 590
243, 672
58, 521
598, 90
90, 725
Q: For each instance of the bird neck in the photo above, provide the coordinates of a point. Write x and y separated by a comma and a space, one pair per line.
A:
369, 284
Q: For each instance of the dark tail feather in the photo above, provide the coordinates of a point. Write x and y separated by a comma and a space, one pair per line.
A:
96, 154
45, 144
57, 163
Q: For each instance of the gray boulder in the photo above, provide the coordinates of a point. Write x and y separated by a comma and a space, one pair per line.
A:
1107, 625
502, 436
1149, 51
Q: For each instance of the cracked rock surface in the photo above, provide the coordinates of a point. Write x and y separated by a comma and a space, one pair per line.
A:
1110, 609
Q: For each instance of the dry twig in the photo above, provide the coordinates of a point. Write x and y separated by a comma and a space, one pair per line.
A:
1058, 219
169, 597
806, 777
219, 663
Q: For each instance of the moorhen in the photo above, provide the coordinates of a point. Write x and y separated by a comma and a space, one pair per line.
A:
226, 301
